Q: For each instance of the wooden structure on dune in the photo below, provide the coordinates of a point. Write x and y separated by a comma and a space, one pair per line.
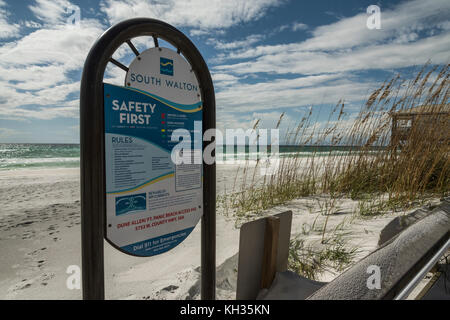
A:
423, 120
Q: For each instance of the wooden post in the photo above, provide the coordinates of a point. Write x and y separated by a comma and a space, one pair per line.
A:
269, 263
393, 130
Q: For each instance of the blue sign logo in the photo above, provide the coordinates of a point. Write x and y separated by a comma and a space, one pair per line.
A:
132, 203
166, 66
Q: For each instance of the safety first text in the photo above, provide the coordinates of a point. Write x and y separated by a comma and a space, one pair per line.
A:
134, 112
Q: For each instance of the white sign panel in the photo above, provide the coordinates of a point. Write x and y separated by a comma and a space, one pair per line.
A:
152, 203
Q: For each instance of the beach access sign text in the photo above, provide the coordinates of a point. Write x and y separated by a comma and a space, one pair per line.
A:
152, 203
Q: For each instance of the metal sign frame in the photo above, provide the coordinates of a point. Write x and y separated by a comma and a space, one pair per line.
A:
92, 149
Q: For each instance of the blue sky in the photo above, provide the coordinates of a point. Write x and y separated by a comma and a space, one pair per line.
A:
266, 56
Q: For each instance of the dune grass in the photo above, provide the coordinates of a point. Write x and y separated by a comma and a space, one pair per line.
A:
380, 173
372, 165
312, 258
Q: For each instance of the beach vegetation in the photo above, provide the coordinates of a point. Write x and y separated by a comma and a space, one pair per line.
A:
310, 257
364, 161
370, 157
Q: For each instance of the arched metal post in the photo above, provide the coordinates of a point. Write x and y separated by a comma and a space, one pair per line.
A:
93, 149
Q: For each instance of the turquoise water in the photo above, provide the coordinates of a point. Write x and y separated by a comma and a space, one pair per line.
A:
16, 156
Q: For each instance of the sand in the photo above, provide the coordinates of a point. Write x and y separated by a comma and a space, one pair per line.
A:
40, 238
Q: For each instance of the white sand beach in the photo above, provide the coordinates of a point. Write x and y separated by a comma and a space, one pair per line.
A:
40, 238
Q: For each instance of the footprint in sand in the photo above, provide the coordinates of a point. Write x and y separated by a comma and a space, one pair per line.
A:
23, 224
170, 288
28, 235
33, 259
22, 285
27, 283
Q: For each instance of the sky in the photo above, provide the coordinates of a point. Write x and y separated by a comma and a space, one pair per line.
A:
266, 57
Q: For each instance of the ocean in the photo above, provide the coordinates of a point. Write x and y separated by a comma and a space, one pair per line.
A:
25, 155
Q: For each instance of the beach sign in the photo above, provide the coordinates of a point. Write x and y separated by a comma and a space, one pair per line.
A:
153, 198
144, 184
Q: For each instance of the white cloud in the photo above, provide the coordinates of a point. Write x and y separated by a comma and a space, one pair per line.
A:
281, 28
52, 12
63, 45
198, 14
237, 44
299, 26
406, 37
242, 98
382, 56
349, 45
224, 77
222, 80
31, 24
36, 70
7, 29
198, 32
352, 32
